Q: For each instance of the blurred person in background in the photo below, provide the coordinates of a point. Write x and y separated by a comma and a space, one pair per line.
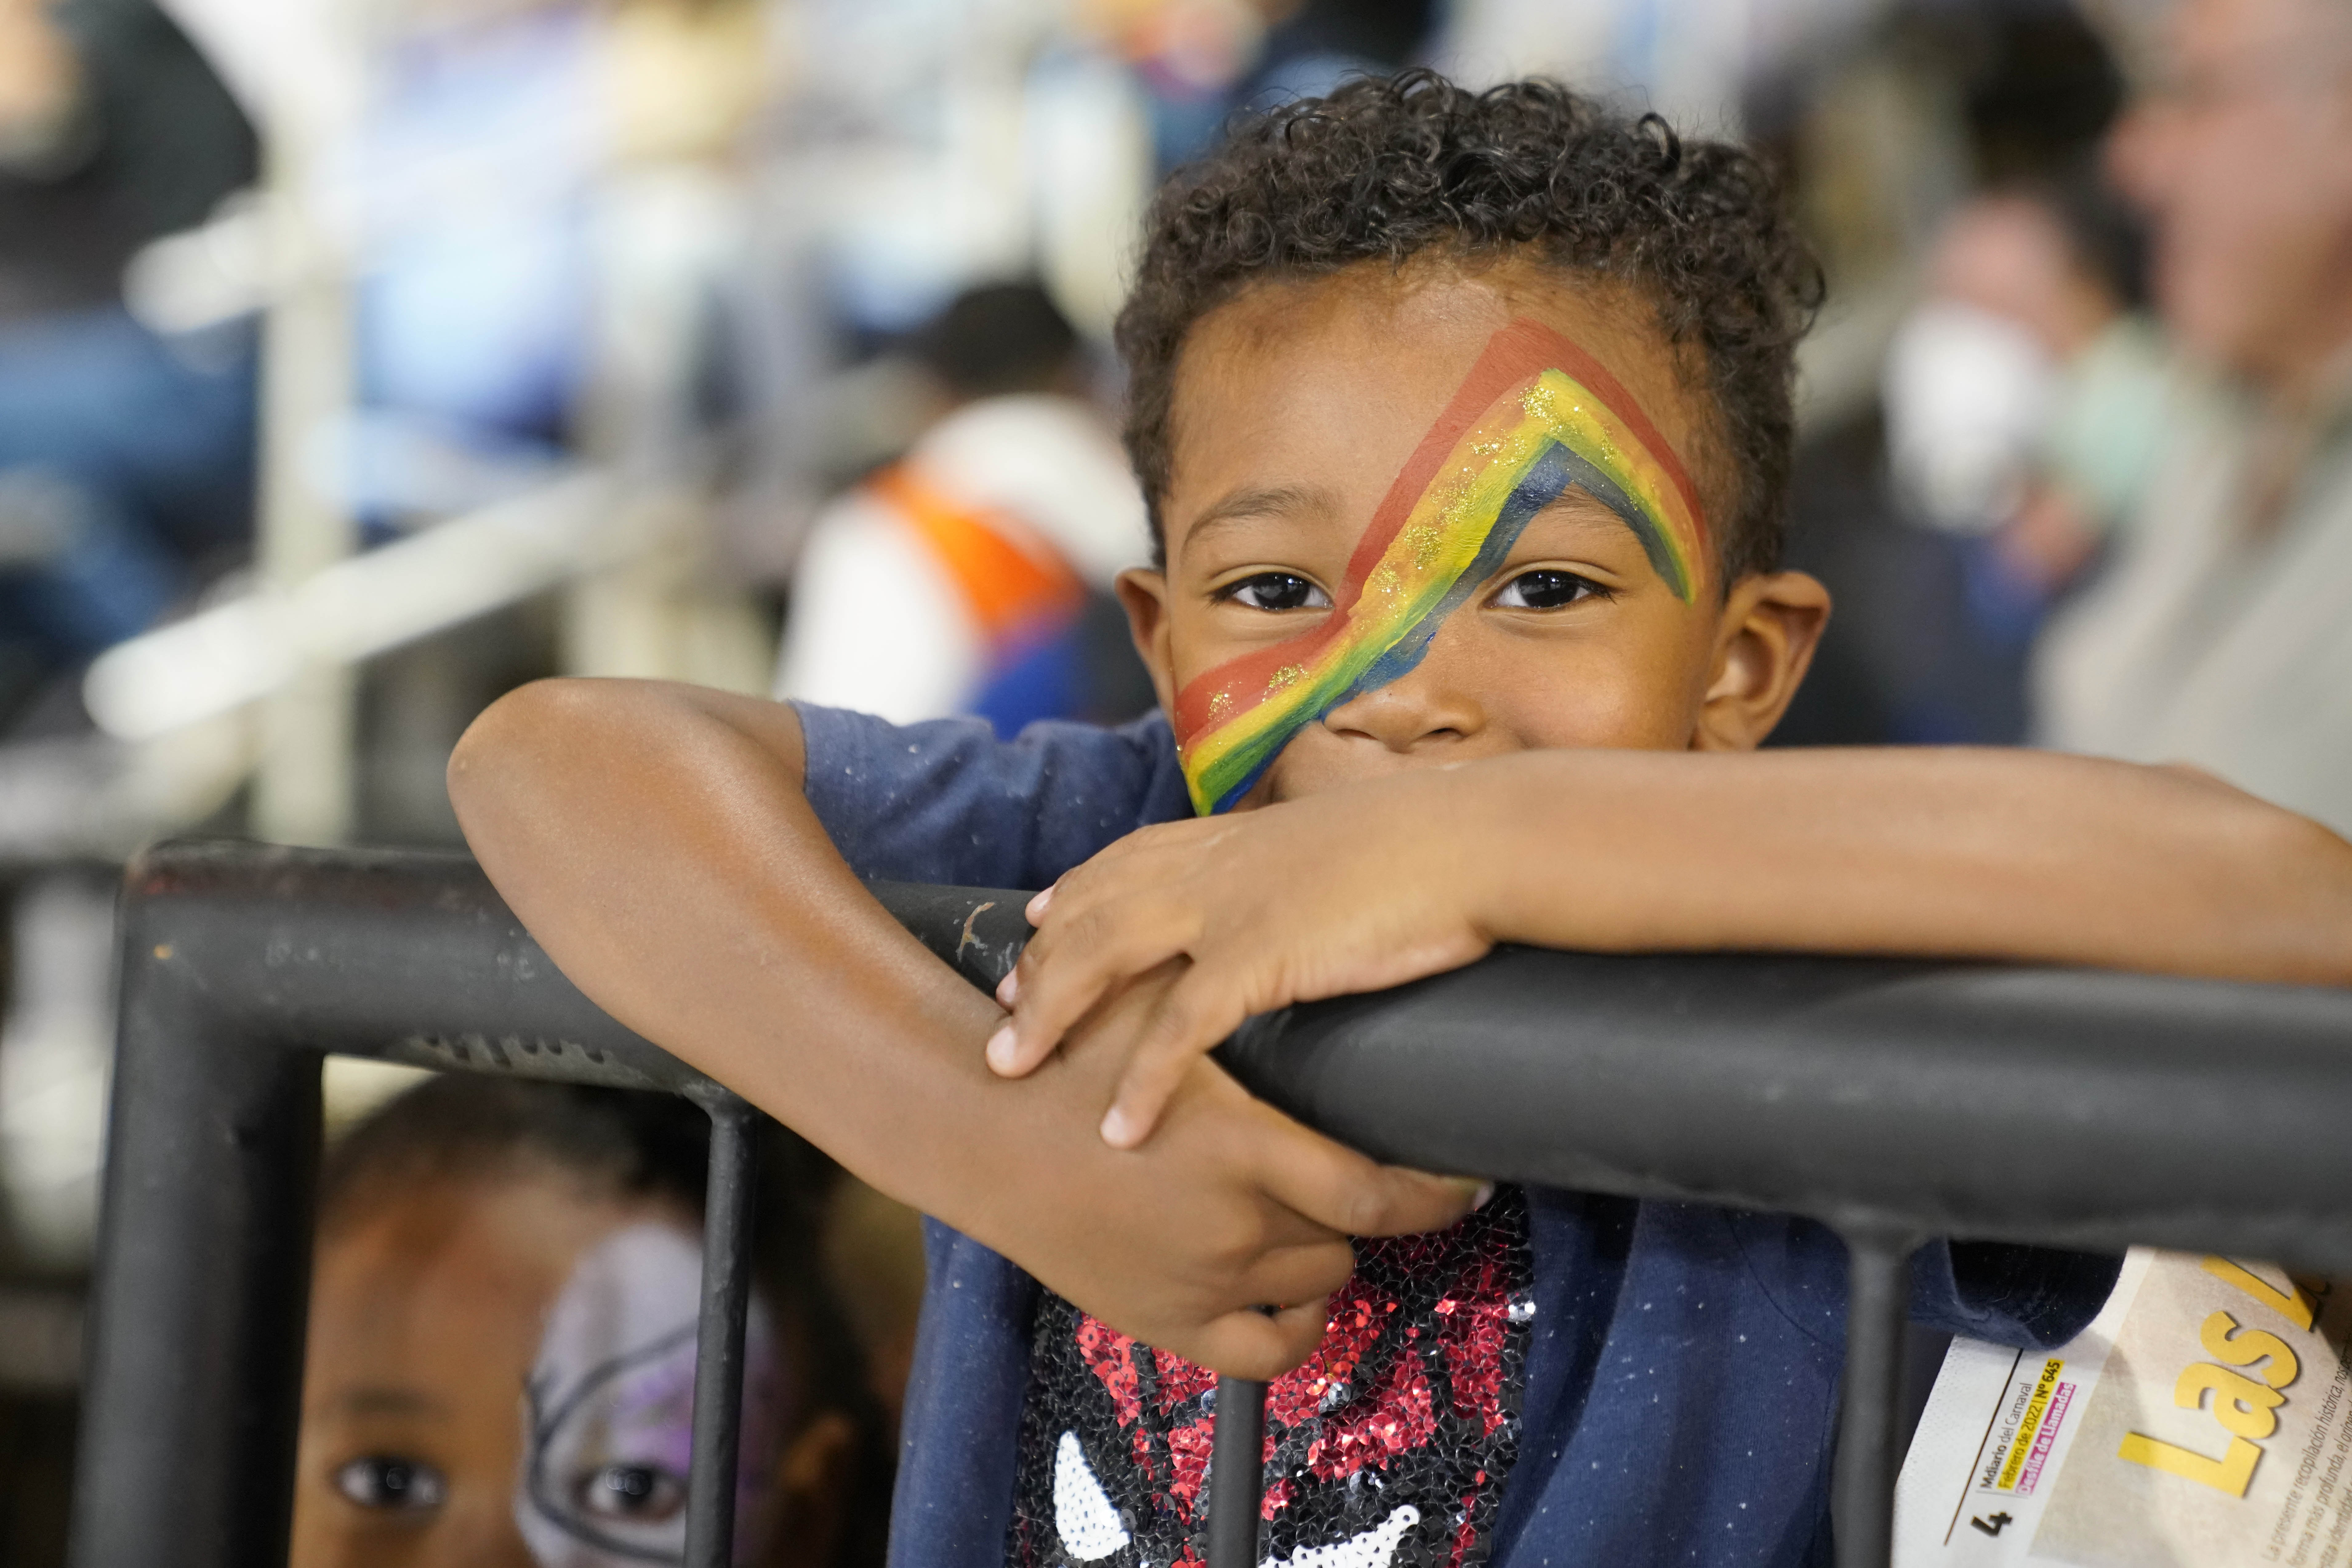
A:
973, 575
1979, 269
1199, 61
502, 1343
2222, 633
126, 459
1313, 46
2024, 397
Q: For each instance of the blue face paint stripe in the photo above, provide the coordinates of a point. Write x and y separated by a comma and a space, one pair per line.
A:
1546, 480
1549, 478
1598, 485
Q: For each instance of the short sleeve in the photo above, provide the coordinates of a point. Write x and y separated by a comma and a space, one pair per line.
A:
2032, 1297
948, 802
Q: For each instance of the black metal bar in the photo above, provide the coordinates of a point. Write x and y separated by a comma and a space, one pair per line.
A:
2041, 1106
2037, 1105
718, 1335
242, 965
1236, 1473
1870, 1411
194, 1376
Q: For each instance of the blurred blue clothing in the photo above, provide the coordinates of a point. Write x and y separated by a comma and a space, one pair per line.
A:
124, 461
474, 173
1042, 676
1318, 46
475, 169
1681, 1382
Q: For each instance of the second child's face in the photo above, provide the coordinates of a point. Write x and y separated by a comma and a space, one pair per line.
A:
425, 1320
1298, 404
499, 1376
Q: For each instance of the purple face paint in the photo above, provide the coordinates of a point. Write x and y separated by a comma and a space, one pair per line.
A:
610, 1408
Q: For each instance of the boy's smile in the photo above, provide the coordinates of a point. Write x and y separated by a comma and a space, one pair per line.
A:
1296, 406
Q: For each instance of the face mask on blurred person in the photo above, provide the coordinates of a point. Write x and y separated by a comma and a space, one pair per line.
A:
1966, 394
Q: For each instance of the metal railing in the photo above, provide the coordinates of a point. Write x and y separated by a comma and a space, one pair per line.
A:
1893, 1101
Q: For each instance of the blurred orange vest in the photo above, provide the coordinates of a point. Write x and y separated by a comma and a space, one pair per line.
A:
1017, 585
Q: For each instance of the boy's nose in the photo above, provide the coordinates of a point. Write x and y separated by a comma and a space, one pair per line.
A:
1425, 707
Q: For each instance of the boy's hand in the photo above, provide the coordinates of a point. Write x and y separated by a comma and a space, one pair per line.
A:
1223, 1240
1357, 889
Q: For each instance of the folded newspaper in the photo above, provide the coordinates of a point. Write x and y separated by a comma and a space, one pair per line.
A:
2203, 1420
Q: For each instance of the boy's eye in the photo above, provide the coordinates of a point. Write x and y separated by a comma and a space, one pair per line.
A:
388, 1482
642, 1493
1547, 590
1277, 591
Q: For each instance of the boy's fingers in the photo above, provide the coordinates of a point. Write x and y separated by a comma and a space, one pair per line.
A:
1109, 866
1356, 1197
1187, 1022
1068, 969
1261, 1345
1308, 1272
1003, 1052
1410, 1202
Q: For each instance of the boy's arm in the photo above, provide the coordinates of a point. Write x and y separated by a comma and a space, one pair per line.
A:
2024, 856
655, 841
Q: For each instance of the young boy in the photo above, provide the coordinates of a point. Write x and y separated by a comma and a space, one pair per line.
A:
1466, 424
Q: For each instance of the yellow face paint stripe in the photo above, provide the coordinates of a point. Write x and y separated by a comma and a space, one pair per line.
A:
1534, 417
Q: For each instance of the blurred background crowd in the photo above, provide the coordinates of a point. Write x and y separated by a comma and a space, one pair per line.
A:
361, 359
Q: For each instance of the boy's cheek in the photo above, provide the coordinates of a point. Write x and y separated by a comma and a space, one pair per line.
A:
1603, 704
1641, 695
1627, 723
1319, 760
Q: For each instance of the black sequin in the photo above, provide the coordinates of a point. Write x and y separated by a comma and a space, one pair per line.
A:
1401, 1428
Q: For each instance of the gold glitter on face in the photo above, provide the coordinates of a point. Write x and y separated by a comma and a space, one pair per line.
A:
1536, 416
1424, 540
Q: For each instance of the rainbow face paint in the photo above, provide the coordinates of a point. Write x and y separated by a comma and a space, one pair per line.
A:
1536, 418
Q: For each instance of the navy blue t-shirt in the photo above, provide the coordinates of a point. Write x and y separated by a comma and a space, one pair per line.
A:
1681, 1372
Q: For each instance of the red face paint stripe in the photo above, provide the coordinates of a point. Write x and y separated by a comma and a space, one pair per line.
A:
1513, 354
1597, 380
1523, 354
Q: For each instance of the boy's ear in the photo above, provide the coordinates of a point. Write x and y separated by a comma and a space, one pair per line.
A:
1771, 624
1143, 592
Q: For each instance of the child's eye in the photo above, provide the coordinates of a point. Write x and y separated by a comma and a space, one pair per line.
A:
388, 1482
1277, 591
643, 1493
1547, 590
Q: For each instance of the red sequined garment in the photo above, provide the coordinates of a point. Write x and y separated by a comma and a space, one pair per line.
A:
1387, 1449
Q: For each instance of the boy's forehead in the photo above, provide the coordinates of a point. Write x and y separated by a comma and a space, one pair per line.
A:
516, 1236
1346, 372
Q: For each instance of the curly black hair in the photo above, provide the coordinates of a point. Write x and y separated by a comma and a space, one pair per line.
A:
1387, 170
